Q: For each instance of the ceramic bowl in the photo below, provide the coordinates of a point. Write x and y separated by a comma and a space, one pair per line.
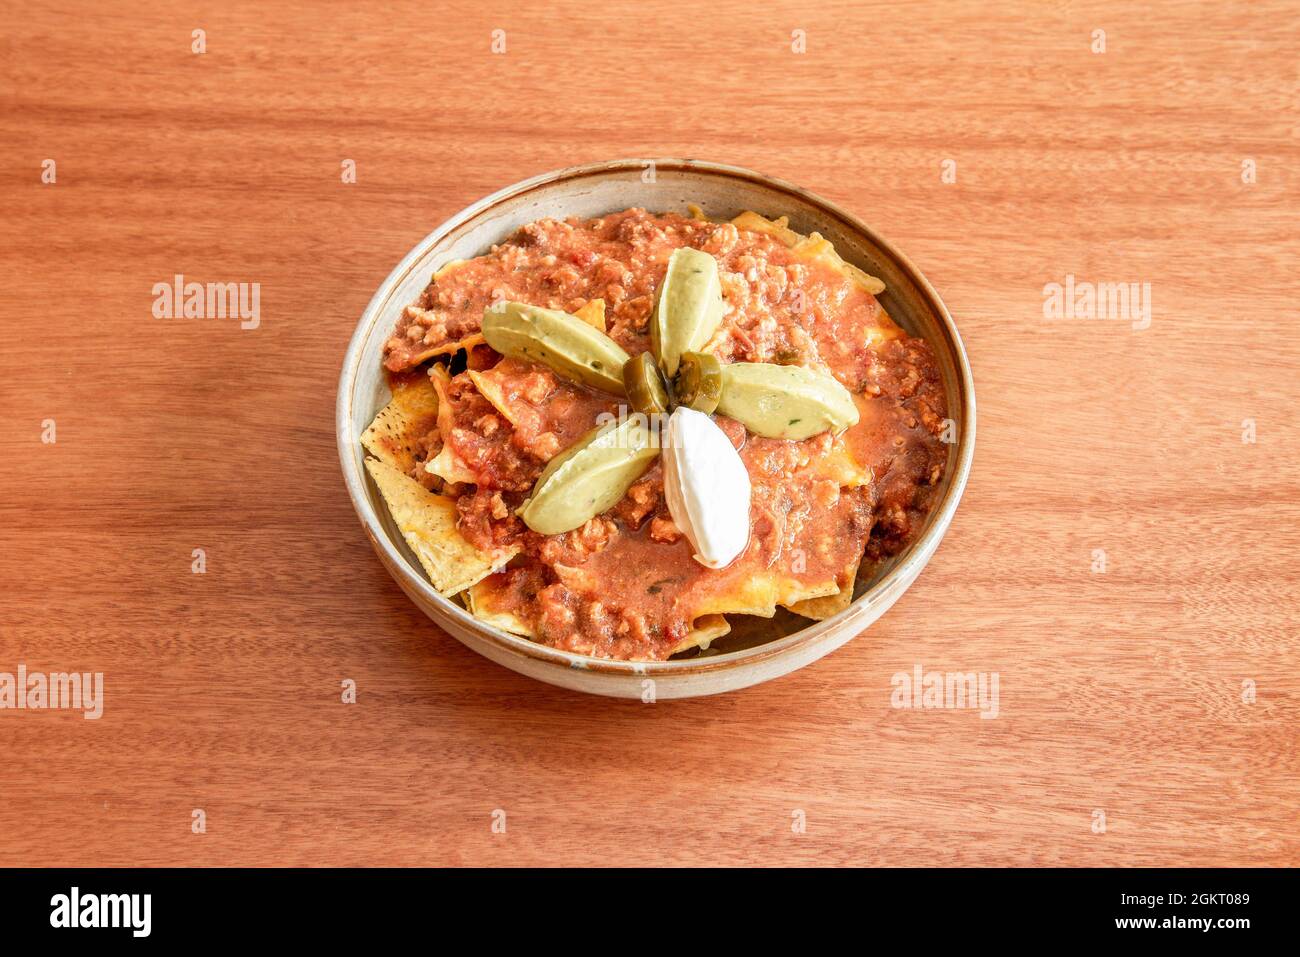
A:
762, 650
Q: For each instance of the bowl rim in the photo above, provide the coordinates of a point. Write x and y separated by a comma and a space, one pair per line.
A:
907, 565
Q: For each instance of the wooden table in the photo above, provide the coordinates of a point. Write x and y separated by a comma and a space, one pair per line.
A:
1121, 692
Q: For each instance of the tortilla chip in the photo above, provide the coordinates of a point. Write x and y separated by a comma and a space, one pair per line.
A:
760, 593
428, 523
812, 247
841, 467
450, 347
538, 426
447, 465
492, 388
440, 379
479, 602
706, 629
490, 381
471, 341
821, 608
408, 417
848, 461
593, 314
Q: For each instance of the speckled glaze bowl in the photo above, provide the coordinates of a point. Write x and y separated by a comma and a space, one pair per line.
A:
763, 650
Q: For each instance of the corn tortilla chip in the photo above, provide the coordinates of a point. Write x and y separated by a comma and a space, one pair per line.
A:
447, 465
828, 605
411, 359
706, 630
428, 523
760, 594
538, 427
479, 599
812, 247
593, 314
491, 388
409, 416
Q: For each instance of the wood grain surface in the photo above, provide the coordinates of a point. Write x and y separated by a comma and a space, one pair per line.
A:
1124, 692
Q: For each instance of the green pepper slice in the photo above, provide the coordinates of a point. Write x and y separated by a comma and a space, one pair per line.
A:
644, 386
699, 382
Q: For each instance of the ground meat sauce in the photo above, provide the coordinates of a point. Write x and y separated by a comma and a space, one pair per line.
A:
624, 585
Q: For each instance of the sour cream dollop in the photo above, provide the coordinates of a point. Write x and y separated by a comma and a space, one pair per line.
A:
706, 486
